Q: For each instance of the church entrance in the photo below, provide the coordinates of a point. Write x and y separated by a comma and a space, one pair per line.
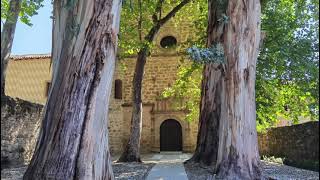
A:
170, 136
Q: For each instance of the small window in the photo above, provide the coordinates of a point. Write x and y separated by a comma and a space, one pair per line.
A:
118, 89
48, 86
168, 42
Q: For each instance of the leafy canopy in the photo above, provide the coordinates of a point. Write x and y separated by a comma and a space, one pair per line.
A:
137, 18
29, 8
287, 83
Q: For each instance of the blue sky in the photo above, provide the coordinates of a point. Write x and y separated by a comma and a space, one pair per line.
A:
34, 39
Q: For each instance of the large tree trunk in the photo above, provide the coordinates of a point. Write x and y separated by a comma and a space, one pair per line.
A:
132, 150
238, 155
73, 140
210, 104
210, 108
7, 36
228, 114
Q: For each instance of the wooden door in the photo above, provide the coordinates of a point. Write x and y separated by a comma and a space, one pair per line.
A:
170, 136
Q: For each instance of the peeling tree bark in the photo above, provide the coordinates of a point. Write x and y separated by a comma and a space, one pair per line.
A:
132, 150
73, 140
7, 36
210, 108
227, 126
238, 155
210, 104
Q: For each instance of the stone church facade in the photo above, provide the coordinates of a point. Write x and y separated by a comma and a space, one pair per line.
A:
163, 127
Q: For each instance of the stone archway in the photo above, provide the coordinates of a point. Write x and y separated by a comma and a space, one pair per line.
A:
170, 135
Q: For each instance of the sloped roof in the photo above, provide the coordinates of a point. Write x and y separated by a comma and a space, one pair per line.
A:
30, 56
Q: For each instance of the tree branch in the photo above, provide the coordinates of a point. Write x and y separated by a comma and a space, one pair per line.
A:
140, 21
158, 23
157, 10
173, 12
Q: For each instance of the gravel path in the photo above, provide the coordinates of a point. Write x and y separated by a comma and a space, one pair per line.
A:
122, 171
168, 167
270, 171
139, 171
13, 173
195, 171
280, 171
131, 171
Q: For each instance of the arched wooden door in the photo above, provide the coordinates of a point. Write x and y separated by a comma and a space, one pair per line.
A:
170, 136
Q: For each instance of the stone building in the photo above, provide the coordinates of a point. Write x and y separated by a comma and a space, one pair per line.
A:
164, 127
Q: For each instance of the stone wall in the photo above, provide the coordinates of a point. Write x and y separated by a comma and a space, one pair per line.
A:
28, 76
160, 73
297, 144
20, 122
115, 120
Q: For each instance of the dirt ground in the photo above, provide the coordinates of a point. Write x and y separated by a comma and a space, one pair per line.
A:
270, 171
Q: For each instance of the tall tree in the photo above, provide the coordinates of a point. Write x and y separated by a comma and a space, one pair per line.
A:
228, 89
10, 12
227, 127
288, 65
287, 73
287, 68
73, 140
7, 36
132, 149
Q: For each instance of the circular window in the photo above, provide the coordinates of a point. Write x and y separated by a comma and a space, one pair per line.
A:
168, 42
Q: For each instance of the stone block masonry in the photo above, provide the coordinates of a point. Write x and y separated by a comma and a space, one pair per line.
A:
297, 144
20, 124
28, 77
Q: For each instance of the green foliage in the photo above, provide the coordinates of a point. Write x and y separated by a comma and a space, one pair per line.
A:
138, 18
189, 76
287, 83
132, 13
187, 87
4, 9
277, 100
273, 159
213, 54
29, 8
288, 64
